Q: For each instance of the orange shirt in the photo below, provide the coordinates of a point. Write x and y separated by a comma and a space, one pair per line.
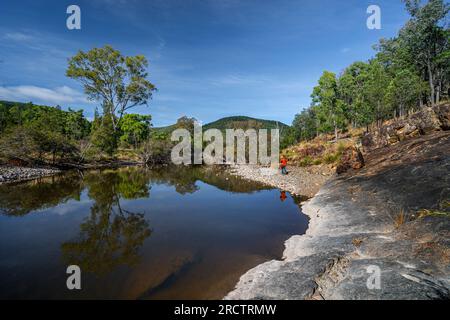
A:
283, 162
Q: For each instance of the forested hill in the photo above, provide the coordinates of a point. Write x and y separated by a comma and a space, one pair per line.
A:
243, 122
235, 122
70, 123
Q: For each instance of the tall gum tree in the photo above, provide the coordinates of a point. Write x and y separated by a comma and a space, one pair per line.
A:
118, 82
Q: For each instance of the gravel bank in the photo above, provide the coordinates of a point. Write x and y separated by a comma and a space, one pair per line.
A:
299, 181
14, 174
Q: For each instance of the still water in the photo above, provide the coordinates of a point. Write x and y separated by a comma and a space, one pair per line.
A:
172, 233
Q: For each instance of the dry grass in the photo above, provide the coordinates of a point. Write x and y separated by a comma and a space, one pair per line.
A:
400, 219
318, 151
357, 241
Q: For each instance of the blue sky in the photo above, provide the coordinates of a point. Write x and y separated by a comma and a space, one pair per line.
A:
208, 58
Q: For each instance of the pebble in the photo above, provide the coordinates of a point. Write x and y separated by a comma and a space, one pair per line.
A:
10, 173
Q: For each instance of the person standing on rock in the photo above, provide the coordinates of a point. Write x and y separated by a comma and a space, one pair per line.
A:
283, 165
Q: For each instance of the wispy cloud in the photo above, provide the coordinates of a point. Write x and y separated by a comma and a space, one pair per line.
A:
17, 36
58, 95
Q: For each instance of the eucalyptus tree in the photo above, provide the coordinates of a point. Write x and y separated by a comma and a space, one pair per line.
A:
327, 105
118, 82
426, 36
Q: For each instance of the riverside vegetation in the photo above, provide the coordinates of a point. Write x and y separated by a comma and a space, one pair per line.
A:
409, 72
381, 124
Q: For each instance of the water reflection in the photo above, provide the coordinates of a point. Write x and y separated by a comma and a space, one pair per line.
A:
20, 199
107, 239
184, 232
108, 185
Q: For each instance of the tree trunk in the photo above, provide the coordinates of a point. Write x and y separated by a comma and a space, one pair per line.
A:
438, 92
335, 131
431, 83
378, 113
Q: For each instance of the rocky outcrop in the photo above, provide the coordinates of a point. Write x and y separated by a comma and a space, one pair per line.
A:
367, 221
423, 122
352, 158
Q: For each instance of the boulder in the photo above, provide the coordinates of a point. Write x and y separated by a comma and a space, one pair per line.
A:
351, 159
443, 114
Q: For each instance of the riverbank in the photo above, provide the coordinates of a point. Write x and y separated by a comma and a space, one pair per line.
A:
392, 216
10, 174
17, 174
300, 181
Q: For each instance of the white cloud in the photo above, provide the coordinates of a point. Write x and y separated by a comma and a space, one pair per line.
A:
58, 95
17, 36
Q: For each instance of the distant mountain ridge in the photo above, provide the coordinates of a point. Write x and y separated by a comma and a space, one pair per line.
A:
234, 122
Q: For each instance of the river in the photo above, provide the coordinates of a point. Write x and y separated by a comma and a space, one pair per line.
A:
168, 233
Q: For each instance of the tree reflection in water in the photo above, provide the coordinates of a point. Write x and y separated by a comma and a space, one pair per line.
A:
110, 236
23, 198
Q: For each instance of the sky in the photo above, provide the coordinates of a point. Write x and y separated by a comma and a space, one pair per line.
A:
208, 58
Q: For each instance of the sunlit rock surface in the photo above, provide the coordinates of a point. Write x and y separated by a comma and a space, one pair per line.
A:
392, 214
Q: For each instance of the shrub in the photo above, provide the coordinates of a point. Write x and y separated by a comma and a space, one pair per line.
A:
317, 162
155, 151
19, 143
331, 157
30, 144
306, 161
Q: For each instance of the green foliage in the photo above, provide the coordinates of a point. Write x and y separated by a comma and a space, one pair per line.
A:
305, 124
71, 123
375, 89
331, 157
19, 143
103, 136
328, 108
306, 161
426, 38
156, 149
403, 92
47, 133
76, 126
407, 71
135, 128
244, 123
117, 81
34, 144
